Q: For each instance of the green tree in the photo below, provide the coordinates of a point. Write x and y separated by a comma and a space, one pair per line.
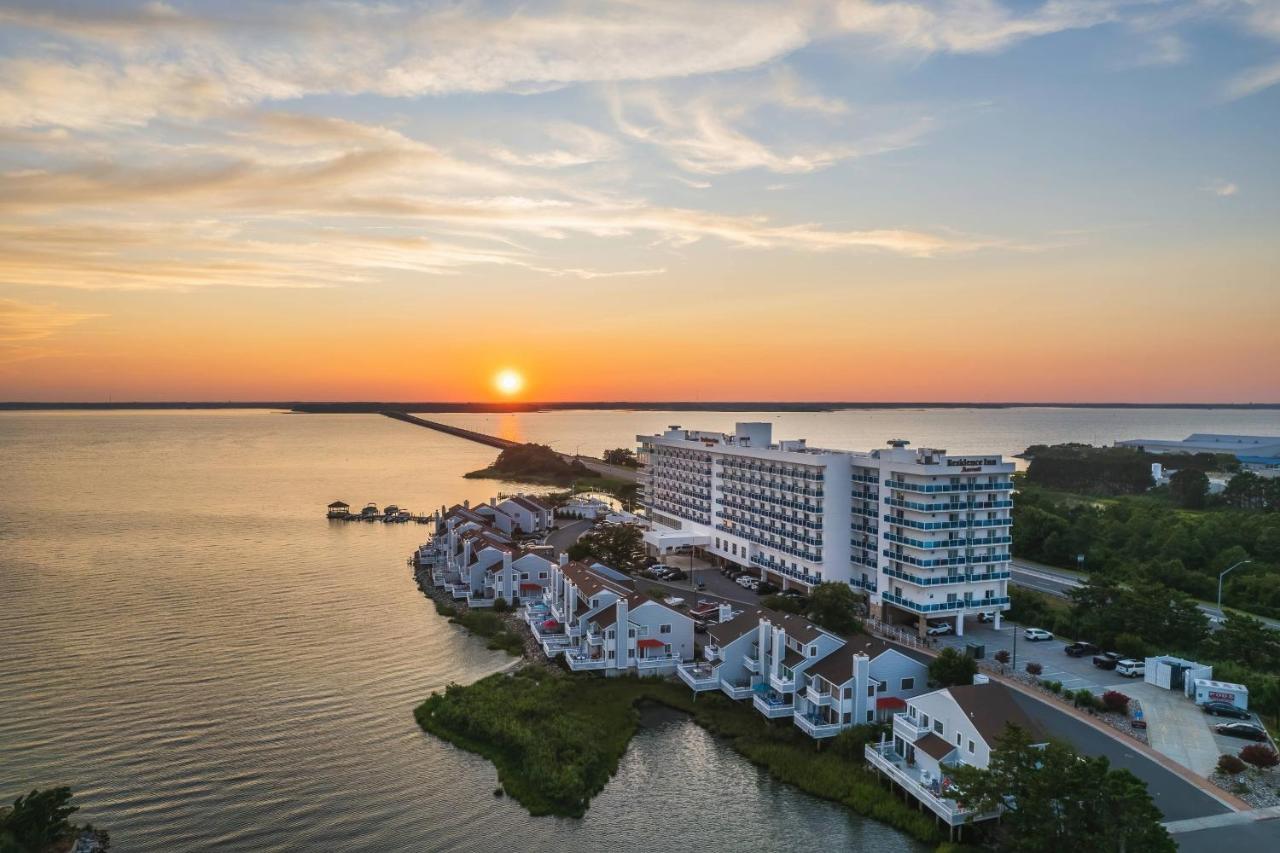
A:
619, 546
1189, 488
624, 456
834, 606
1248, 641
951, 668
1056, 800
784, 603
36, 820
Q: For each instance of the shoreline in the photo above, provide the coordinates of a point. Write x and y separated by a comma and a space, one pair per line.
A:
303, 407
827, 773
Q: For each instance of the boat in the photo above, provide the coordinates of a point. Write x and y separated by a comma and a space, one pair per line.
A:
370, 512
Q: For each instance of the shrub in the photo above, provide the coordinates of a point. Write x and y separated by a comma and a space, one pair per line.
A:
1114, 700
951, 668
500, 605
1260, 755
1034, 668
1230, 765
1084, 698
1002, 657
446, 610
849, 743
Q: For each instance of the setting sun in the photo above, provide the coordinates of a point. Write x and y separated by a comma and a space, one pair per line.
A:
508, 382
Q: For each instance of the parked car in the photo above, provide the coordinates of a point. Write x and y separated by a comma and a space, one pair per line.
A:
1225, 709
1248, 731
1131, 668
677, 575
793, 593
1080, 648
989, 616
1036, 635
1106, 660
939, 629
767, 588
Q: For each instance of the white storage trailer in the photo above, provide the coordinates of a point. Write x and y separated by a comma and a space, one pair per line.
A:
1208, 690
1173, 673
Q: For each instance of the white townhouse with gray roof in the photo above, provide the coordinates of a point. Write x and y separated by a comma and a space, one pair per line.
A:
923, 533
790, 668
594, 616
941, 730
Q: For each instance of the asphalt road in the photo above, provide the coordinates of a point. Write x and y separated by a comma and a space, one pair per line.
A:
1176, 798
1052, 581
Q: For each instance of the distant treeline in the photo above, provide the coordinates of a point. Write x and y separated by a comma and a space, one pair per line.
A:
640, 406
1111, 470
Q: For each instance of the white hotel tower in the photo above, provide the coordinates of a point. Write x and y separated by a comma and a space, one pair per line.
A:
924, 534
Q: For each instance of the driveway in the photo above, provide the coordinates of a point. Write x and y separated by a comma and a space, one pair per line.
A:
1176, 727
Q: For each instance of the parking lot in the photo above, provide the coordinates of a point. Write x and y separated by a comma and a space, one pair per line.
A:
1056, 665
1176, 726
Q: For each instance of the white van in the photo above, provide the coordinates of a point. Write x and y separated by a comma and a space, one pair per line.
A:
1131, 668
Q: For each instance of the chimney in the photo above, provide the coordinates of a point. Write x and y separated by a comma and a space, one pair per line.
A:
726, 613
564, 559
466, 504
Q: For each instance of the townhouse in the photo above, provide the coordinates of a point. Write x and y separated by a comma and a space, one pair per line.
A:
941, 730
923, 534
790, 668
474, 560
596, 618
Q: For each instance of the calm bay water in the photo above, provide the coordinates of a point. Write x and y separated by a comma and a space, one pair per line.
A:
1006, 431
211, 665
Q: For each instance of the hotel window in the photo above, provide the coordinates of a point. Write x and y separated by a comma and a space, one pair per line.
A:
908, 683
971, 747
957, 738
871, 716
938, 727
871, 690
880, 688
609, 656
924, 721
664, 629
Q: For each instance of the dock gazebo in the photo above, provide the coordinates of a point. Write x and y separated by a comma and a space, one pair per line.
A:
338, 509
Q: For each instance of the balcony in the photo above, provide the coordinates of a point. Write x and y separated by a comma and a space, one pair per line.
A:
945, 580
699, 676
816, 727
817, 697
907, 728
479, 602
582, 663
947, 488
782, 682
751, 664
772, 706
735, 690
945, 606
927, 791
657, 663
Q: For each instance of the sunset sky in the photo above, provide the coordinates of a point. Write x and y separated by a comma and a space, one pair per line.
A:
919, 200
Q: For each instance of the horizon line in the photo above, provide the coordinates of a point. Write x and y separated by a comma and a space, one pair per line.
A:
364, 406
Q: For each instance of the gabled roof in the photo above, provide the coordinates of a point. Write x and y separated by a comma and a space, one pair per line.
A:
589, 582
990, 707
935, 746
530, 503
744, 623
798, 626
837, 667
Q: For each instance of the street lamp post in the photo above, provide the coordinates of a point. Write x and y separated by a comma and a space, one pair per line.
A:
1223, 575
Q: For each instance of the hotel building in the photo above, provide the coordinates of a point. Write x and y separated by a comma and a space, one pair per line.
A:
925, 535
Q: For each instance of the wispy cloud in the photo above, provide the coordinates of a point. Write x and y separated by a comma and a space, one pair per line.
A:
1221, 188
26, 327
722, 127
